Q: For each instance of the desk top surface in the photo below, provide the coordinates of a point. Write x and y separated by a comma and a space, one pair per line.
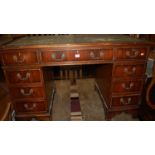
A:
71, 40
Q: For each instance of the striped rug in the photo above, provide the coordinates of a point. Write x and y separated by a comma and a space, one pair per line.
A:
76, 114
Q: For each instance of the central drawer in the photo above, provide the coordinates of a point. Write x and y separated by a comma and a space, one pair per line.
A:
99, 54
27, 92
76, 55
23, 76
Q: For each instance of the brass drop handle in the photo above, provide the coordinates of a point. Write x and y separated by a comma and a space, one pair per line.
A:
54, 56
26, 77
126, 70
93, 56
124, 86
22, 91
124, 102
27, 107
18, 59
133, 55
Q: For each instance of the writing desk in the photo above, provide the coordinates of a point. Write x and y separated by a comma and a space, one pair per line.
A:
119, 78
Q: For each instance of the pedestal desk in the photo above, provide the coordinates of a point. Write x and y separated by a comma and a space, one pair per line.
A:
119, 77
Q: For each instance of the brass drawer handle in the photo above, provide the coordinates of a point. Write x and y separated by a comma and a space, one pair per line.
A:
132, 54
30, 108
18, 59
26, 77
93, 56
124, 86
22, 91
124, 102
126, 70
58, 56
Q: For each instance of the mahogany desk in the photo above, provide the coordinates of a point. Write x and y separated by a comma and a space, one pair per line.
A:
119, 77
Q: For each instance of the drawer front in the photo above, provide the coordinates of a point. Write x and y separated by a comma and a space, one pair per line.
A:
125, 101
127, 86
58, 56
20, 58
23, 76
77, 55
27, 92
129, 70
30, 106
131, 53
99, 54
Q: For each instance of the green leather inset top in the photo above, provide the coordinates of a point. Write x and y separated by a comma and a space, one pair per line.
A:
73, 39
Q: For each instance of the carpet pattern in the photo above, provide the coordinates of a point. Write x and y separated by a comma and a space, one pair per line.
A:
61, 104
76, 114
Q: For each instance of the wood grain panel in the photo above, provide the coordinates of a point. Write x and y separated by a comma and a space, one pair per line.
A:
125, 101
27, 92
23, 76
131, 53
129, 70
126, 86
26, 106
20, 57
